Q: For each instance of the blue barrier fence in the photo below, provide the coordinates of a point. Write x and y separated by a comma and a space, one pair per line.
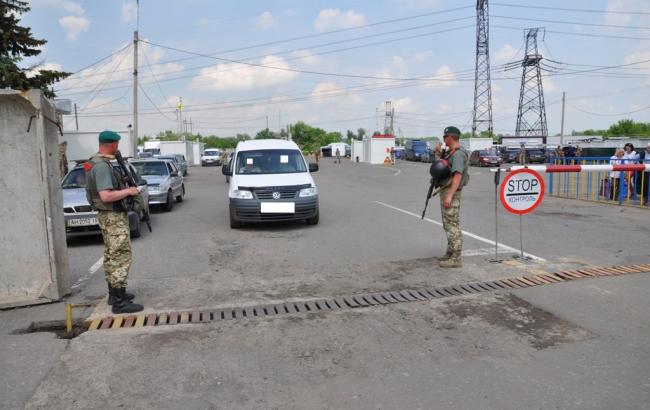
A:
615, 187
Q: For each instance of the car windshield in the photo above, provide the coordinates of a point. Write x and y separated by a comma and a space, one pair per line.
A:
169, 158
536, 152
75, 179
157, 168
211, 153
270, 161
487, 153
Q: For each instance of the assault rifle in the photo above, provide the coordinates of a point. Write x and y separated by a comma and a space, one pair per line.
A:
130, 181
430, 194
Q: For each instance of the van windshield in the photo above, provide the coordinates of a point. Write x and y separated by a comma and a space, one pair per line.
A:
270, 161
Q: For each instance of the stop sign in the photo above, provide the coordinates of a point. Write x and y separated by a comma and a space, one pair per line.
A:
522, 191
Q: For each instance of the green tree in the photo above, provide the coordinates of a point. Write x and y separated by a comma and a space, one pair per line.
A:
266, 134
351, 136
17, 42
361, 133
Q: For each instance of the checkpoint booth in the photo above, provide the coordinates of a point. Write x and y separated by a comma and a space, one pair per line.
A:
377, 148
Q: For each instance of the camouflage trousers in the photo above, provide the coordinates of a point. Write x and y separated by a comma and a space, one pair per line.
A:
117, 247
451, 222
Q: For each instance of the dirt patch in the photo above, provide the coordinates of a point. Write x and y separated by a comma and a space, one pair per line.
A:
539, 327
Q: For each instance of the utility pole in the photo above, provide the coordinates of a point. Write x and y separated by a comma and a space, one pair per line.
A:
76, 118
135, 87
267, 124
531, 114
482, 113
562, 123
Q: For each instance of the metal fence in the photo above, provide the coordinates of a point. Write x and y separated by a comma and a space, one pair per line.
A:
615, 187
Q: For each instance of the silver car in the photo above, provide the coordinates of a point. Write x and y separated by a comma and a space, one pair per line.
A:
164, 181
80, 219
179, 161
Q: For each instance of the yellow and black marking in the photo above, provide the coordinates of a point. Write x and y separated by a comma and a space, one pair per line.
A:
539, 278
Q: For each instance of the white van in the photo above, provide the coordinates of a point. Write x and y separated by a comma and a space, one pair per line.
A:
270, 180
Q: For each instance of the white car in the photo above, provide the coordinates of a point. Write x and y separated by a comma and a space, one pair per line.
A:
270, 180
211, 156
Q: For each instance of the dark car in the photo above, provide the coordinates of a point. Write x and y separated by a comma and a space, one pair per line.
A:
485, 158
535, 156
510, 155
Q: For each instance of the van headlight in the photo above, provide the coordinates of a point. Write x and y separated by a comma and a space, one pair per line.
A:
307, 192
241, 194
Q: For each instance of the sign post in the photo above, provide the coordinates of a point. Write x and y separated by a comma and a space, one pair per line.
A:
521, 192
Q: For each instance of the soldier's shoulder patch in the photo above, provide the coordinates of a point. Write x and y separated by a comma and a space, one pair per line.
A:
88, 166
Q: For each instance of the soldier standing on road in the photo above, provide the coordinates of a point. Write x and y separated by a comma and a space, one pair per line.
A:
338, 156
106, 192
450, 192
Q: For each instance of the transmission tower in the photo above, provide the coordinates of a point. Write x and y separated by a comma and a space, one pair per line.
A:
482, 88
531, 115
388, 119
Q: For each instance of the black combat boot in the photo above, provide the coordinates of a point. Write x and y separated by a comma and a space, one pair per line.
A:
127, 295
121, 304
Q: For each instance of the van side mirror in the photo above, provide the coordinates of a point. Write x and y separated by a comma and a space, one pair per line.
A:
225, 169
313, 167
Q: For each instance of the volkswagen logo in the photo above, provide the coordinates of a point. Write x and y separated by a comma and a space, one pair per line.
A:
276, 195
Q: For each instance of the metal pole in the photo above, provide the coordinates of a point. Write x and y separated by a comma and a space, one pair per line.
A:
135, 87
562, 126
76, 119
521, 237
497, 181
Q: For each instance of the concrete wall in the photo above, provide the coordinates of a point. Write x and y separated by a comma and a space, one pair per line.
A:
33, 251
83, 144
376, 149
357, 151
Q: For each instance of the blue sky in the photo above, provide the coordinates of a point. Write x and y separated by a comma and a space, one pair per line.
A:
432, 39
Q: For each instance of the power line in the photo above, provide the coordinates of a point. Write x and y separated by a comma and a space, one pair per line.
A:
608, 115
308, 36
525, 6
571, 22
234, 68
568, 33
154, 76
154, 104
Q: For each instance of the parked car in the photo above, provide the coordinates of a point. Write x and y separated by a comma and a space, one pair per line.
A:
80, 219
535, 156
164, 181
270, 180
211, 156
510, 155
485, 158
179, 161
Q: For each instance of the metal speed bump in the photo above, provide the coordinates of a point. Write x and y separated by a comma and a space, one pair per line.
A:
366, 300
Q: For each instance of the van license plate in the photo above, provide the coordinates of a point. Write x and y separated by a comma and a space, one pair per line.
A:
82, 222
277, 207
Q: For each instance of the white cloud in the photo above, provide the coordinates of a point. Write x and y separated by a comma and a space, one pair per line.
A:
422, 56
67, 6
129, 12
638, 56
325, 91
306, 57
627, 5
443, 77
417, 4
333, 19
46, 66
74, 25
74, 8
243, 77
505, 54
405, 104
266, 21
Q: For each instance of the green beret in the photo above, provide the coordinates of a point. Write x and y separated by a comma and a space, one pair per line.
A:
109, 136
451, 131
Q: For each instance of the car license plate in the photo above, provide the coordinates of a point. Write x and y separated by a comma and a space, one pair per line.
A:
82, 222
277, 207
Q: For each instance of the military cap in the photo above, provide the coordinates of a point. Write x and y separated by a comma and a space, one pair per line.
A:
109, 136
451, 131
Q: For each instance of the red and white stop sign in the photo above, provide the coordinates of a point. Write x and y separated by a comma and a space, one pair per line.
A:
522, 191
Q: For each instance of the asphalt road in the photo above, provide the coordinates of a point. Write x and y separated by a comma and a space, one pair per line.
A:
577, 345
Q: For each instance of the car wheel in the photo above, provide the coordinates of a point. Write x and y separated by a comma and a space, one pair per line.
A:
203, 164
170, 202
180, 197
137, 231
314, 220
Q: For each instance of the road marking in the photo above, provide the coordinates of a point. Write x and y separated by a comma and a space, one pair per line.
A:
87, 276
399, 171
478, 252
466, 233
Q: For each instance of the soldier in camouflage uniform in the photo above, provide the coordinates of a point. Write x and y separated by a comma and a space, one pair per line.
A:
107, 192
450, 193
